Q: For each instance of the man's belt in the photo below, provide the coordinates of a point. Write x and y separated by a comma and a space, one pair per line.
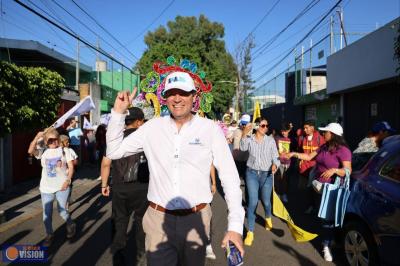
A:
179, 212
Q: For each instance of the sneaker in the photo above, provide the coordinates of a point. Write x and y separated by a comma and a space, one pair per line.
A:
284, 198
71, 229
210, 253
48, 240
268, 224
327, 253
309, 210
249, 238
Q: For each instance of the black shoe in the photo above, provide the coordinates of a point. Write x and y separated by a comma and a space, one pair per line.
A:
71, 230
48, 240
119, 258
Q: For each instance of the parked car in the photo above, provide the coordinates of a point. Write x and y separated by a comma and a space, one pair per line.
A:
371, 230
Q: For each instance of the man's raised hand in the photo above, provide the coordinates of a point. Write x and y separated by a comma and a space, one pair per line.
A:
123, 100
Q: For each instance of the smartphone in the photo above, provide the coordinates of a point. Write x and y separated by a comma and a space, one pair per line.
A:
233, 256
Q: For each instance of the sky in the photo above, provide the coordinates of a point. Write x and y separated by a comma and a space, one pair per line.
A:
128, 21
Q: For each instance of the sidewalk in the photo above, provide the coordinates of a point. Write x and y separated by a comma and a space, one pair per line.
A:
28, 205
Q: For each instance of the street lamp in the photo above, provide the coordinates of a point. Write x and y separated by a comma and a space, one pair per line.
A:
236, 83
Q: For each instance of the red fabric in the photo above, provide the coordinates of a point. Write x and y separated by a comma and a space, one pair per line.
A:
308, 147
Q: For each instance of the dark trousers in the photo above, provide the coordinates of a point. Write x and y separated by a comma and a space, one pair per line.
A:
128, 198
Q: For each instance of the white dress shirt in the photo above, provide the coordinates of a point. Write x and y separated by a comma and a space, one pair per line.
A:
180, 162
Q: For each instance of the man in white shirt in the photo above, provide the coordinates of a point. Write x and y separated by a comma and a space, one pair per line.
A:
180, 150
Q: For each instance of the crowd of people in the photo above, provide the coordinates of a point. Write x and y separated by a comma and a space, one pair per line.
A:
163, 170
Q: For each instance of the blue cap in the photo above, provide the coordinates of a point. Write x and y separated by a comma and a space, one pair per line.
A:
382, 126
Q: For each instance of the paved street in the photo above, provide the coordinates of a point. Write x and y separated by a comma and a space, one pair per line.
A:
91, 244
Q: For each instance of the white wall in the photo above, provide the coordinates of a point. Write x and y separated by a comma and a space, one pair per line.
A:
367, 60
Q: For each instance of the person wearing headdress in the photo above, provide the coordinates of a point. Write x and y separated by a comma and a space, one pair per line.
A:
180, 149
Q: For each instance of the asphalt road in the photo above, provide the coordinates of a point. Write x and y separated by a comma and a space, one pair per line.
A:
91, 245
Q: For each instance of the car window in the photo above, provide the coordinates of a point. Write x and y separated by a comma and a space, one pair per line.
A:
359, 160
391, 169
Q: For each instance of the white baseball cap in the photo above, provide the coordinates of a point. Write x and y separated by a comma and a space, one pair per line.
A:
179, 80
335, 128
245, 119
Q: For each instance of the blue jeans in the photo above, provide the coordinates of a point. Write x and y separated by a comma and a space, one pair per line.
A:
47, 203
258, 181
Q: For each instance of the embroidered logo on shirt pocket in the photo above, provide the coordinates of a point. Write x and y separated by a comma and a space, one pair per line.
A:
196, 141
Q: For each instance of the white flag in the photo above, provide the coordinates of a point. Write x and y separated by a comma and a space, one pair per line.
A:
82, 107
105, 118
86, 124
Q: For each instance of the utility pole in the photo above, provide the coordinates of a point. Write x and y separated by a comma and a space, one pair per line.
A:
237, 94
342, 32
98, 61
77, 65
331, 36
310, 77
112, 72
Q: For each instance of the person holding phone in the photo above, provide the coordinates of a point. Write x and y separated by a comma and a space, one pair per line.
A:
262, 163
180, 149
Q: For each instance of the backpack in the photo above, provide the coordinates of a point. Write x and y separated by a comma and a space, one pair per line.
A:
126, 169
130, 169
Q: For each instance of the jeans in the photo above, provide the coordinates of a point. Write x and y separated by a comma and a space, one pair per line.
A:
258, 181
47, 203
327, 227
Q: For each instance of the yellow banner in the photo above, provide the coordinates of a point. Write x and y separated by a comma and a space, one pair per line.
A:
257, 111
280, 211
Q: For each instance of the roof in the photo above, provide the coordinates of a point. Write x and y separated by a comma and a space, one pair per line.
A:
40, 49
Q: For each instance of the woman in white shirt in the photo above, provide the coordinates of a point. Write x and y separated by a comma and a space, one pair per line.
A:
57, 171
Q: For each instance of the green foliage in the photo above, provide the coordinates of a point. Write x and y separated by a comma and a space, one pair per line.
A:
200, 41
29, 97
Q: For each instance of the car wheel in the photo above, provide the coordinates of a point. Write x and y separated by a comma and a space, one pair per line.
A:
359, 246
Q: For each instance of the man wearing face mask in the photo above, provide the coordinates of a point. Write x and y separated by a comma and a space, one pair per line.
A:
180, 149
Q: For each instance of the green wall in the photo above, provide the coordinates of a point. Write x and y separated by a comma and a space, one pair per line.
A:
323, 112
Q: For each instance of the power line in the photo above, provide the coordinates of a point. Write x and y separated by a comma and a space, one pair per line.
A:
72, 34
284, 41
109, 33
309, 49
299, 42
151, 24
58, 19
95, 33
268, 43
262, 20
34, 32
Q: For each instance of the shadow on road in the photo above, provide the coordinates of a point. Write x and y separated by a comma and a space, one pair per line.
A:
96, 244
15, 238
292, 252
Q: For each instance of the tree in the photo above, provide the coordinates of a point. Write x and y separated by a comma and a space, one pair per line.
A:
200, 41
29, 97
243, 60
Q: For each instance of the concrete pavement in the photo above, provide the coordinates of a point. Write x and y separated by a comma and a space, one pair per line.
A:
28, 204
91, 245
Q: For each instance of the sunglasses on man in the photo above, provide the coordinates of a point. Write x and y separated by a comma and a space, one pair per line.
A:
263, 125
